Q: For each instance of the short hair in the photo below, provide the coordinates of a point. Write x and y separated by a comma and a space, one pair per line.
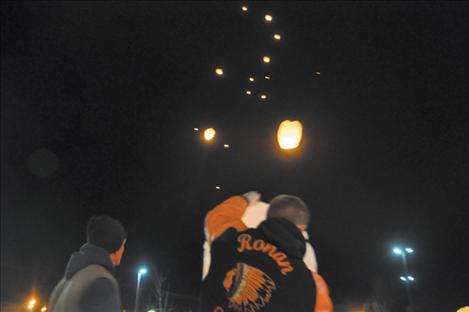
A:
105, 232
289, 207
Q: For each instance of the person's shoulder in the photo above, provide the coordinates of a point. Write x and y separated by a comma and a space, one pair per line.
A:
101, 291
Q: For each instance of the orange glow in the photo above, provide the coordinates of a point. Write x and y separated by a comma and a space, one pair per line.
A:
268, 18
219, 71
266, 59
209, 134
289, 134
44, 309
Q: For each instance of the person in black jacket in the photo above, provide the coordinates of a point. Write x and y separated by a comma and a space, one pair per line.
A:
89, 284
260, 269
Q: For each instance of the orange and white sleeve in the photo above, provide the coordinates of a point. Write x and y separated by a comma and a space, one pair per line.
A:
323, 300
226, 215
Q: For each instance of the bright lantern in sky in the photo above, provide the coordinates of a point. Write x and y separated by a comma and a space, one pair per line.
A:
248, 92
219, 71
266, 59
277, 37
209, 134
251, 79
268, 18
289, 134
263, 96
244, 8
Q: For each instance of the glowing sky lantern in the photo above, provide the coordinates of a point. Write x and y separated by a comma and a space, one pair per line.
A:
226, 145
248, 92
209, 134
268, 18
289, 134
244, 8
263, 97
196, 129
266, 59
277, 37
219, 71
267, 77
251, 79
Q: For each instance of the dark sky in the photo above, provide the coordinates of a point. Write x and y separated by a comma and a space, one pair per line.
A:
99, 102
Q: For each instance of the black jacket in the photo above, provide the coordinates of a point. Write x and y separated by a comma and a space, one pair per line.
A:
259, 270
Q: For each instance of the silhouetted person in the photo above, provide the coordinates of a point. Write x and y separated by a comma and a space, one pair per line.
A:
261, 269
89, 284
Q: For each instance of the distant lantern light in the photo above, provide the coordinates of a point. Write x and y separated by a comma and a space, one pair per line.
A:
268, 18
196, 129
244, 8
318, 73
463, 309
267, 77
219, 71
248, 92
266, 59
277, 37
226, 145
217, 187
44, 309
263, 97
289, 134
209, 134
251, 79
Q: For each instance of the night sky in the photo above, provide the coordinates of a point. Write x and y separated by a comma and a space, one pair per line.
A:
99, 102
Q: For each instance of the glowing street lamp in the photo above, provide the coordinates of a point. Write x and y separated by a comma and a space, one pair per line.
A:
141, 272
268, 18
209, 134
266, 59
407, 278
219, 71
289, 134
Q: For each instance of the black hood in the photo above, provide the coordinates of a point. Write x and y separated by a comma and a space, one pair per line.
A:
285, 235
87, 255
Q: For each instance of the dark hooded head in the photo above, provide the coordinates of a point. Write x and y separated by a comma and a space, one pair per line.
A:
106, 232
291, 208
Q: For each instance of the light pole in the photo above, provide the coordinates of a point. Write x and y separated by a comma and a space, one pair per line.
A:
142, 271
407, 279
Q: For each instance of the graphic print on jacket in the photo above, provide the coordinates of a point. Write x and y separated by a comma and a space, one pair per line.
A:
259, 270
248, 288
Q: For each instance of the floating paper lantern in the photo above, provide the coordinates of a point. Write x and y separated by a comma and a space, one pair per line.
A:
266, 59
268, 18
289, 134
209, 134
219, 71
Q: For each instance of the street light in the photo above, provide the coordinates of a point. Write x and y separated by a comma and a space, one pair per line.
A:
406, 278
141, 272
